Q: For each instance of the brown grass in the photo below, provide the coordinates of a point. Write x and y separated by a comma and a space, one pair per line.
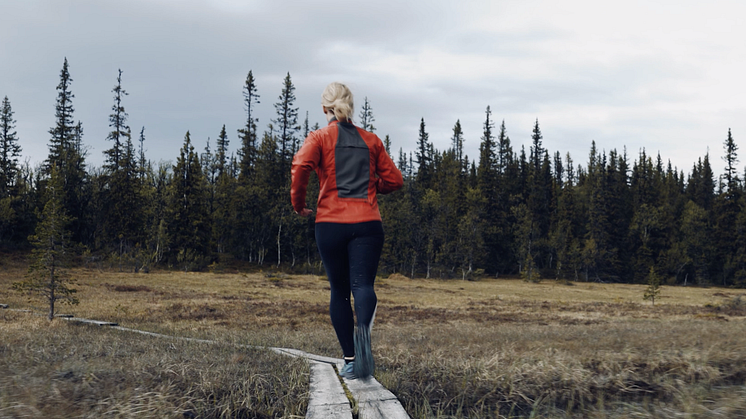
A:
486, 349
63, 370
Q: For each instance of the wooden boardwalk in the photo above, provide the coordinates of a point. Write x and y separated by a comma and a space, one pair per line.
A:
328, 399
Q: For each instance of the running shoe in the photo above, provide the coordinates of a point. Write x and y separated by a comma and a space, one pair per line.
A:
364, 364
347, 371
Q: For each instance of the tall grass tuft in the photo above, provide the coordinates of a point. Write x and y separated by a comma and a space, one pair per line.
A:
68, 370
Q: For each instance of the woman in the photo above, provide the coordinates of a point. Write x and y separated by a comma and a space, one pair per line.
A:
353, 166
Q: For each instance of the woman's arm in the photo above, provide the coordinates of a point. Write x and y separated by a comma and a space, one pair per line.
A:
305, 161
389, 177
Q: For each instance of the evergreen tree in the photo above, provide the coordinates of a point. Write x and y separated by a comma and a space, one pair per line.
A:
67, 153
450, 186
118, 122
63, 133
10, 191
597, 252
614, 197
270, 201
470, 247
739, 260
537, 151
386, 144
10, 150
423, 158
189, 226
221, 156
487, 164
287, 125
726, 210
142, 162
731, 161
487, 183
539, 199
122, 206
457, 142
47, 276
694, 249
566, 232
654, 286
366, 117
247, 135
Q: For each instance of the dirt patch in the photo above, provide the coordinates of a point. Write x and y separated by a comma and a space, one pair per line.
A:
179, 311
130, 288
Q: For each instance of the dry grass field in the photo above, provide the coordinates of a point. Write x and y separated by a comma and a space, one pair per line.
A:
448, 349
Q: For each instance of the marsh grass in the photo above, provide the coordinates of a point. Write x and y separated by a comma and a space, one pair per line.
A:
448, 349
63, 370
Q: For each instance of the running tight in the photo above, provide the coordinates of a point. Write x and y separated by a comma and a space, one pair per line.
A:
350, 253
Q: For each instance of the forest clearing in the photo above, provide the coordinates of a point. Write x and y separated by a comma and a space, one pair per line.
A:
446, 348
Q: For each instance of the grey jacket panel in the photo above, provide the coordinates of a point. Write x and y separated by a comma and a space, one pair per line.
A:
352, 163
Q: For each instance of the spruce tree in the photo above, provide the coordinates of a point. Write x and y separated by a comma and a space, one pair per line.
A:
487, 163
653, 290
61, 143
566, 233
142, 162
731, 161
189, 226
287, 125
366, 116
726, 210
66, 152
423, 158
470, 247
247, 134
9, 173
694, 247
387, 144
457, 142
10, 150
120, 131
122, 203
47, 276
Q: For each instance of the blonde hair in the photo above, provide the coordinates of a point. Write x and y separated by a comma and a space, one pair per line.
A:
338, 98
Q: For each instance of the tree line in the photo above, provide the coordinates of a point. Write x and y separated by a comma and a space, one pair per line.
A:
523, 212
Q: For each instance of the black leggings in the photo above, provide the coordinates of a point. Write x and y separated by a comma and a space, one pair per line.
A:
350, 253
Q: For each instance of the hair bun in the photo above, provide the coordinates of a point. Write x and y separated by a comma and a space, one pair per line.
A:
338, 98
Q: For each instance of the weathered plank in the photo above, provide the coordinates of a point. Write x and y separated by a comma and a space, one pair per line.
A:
96, 322
382, 409
327, 399
335, 411
312, 357
374, 401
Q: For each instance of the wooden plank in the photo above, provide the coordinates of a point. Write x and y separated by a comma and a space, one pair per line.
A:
382, 409
328, 398
312, 357
96, 322
325, 386
142, 332
367, 390
336, 411
374, 400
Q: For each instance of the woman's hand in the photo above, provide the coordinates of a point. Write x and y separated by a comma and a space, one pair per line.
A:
305, 212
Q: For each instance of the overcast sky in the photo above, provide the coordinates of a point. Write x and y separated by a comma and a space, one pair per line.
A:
664, 75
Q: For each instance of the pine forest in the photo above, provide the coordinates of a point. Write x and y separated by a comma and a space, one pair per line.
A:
532, 212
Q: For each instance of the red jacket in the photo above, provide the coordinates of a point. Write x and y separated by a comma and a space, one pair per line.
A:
352, 165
